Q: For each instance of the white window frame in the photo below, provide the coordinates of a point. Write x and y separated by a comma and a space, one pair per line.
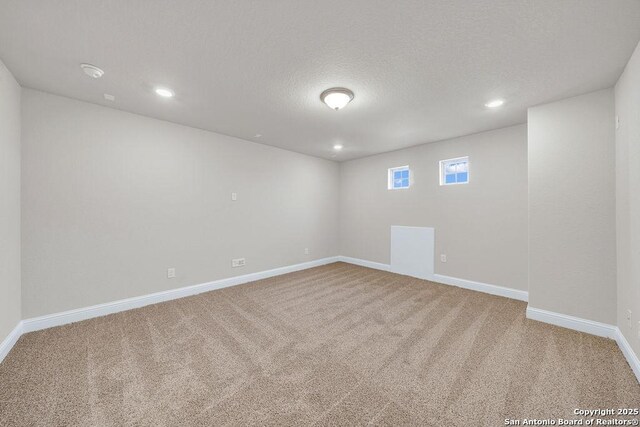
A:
445, 163
390, 177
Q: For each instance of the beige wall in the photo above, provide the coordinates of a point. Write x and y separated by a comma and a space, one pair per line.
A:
9, 202
112, 199
572, 253
627, 92
481, 226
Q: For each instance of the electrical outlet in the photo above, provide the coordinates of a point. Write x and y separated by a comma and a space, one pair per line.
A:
234, 196
171, 273
617, 122
443, 257
629, 324
306, 251
238, 262
639, 330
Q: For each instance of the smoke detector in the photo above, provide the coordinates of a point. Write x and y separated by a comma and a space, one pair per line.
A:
92, 71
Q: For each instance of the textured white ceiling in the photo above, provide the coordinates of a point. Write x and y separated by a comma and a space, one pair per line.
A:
421, 70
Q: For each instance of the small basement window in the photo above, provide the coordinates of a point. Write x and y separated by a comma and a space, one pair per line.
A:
454, 171
399, 178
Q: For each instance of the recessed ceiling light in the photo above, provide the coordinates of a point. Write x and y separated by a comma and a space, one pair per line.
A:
495, 103
109, 97
92, 71
164, 92
337, 147
337, 97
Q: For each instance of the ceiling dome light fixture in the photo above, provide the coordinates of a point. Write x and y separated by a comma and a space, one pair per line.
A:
164, 92
337, 147
336, 98
495, 103
92, 71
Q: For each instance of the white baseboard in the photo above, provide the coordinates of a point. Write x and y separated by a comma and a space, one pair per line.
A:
365, 263
482, 287
76, 315
71, 316
10, 341
590, 327
628, 352
571, 322
447, 280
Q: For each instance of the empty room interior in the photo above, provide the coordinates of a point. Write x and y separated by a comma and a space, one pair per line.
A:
354, 212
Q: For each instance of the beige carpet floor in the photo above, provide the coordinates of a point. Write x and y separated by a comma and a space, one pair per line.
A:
333, 345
